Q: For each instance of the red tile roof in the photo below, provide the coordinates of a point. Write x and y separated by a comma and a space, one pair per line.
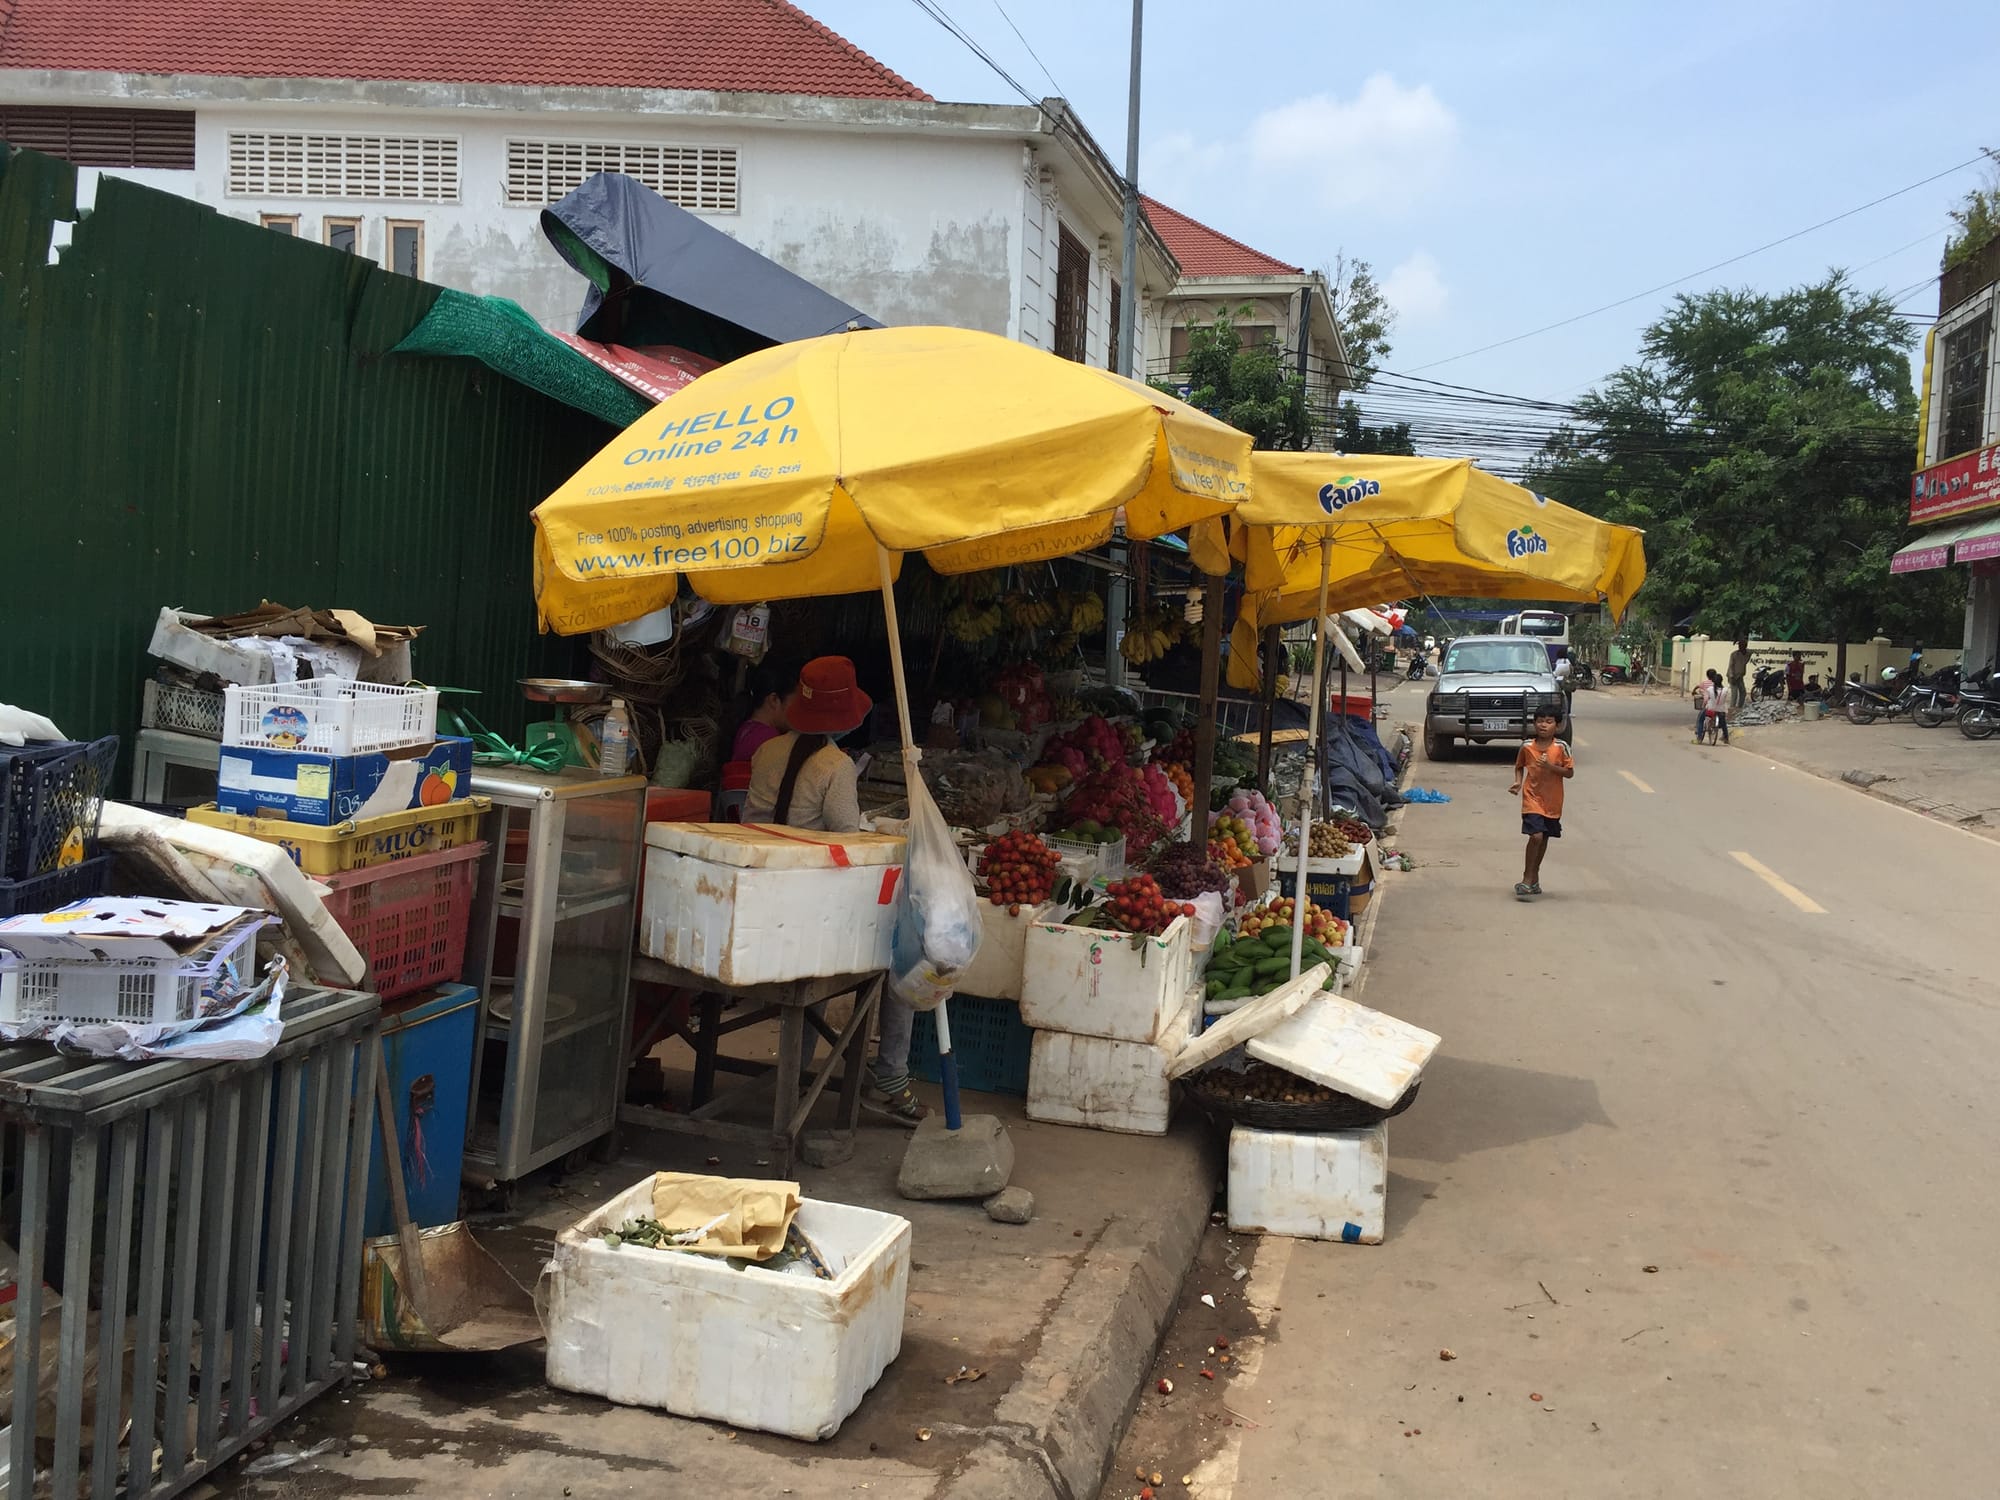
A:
1200, 250
733, 46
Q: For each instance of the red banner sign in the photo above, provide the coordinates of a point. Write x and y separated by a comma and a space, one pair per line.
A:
1967, 483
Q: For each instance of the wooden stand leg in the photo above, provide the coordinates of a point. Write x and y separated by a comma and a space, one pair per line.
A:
854, 1068
785, 1084
707, 1038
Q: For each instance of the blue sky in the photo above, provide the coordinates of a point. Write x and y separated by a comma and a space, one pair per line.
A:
1504, 167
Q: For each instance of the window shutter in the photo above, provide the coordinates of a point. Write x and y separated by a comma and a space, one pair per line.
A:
702, 179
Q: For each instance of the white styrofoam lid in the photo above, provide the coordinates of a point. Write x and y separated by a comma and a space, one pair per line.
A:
764, 846
1349, 1047
1254, 1019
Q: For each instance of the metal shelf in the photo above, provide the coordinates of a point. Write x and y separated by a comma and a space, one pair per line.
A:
571, 907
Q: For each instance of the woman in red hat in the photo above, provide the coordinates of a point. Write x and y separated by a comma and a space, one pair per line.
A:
802, 779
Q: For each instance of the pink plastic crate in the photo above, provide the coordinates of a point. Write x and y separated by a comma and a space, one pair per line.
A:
408, 918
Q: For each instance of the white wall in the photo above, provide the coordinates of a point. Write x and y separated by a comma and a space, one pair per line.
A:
910, 228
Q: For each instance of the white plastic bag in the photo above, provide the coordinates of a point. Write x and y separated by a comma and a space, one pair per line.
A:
1209, 914
938, 922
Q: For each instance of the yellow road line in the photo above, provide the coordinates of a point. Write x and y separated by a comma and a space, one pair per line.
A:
1778, 883
1637, 782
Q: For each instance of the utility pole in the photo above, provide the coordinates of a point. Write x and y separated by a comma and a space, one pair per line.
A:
1128, 323
1128, 293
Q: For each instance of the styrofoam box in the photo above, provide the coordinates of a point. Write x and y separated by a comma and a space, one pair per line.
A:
1093, 981
1103, 1084
996, 969
699, 1338
1328, 1185
743, 904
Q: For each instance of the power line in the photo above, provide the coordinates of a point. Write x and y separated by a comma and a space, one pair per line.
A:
1060, 90
937, 13
1705, 270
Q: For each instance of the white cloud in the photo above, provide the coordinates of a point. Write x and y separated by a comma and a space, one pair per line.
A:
1380, 149
1415, 288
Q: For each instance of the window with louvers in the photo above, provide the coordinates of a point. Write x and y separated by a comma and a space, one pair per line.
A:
161, 138
390, 168
1072, 297
701, 179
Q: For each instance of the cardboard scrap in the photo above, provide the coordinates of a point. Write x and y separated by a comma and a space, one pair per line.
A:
339, 627
753, 1213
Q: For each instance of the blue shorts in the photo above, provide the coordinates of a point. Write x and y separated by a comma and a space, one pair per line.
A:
1536, 823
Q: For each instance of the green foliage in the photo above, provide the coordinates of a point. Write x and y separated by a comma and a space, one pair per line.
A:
1978, 217
1764, 443
1247, 388
1357, 437
1364, 317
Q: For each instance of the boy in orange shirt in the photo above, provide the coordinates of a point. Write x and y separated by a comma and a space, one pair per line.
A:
1540, 770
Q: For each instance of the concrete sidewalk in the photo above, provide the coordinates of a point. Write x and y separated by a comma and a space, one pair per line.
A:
1063, 1314
1937, 772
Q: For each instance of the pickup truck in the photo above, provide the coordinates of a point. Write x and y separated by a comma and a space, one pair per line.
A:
1489, 689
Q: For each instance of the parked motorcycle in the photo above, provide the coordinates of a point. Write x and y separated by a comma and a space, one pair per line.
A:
1616, 676
1865, 702
1979, 706
1769, 682
1937, 698
1417, 667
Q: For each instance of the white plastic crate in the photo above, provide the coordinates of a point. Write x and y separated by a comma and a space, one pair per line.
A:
1085, 860
136, 991
330, 715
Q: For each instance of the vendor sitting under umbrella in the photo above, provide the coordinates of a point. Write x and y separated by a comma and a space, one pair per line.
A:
802, 779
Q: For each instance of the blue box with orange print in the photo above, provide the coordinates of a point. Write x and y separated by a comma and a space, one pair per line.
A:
305, 786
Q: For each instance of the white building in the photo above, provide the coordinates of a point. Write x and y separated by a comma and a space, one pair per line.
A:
429, 135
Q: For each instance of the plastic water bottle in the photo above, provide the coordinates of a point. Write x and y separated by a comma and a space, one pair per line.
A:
614, 740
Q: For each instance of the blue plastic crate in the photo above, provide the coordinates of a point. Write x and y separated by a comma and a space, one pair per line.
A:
51, 796
79, 882
989, 1039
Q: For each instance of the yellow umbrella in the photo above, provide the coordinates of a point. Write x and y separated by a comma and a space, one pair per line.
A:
1331, 531
783, 474
812, 467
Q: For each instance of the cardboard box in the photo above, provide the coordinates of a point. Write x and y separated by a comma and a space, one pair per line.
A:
304, 786
238, 662
695, 1336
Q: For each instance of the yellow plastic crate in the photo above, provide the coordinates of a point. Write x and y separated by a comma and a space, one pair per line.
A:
362, 842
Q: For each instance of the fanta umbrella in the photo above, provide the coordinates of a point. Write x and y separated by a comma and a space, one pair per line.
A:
812, 467
1333, 531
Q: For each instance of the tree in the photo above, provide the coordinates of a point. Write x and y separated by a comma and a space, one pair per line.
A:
1764, 443
1978, 217
1355, 436
1364, 318
1249, 389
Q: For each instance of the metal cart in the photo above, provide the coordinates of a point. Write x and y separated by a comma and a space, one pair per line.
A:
550, 952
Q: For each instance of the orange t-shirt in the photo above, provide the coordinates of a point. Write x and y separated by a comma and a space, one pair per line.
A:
1541, 787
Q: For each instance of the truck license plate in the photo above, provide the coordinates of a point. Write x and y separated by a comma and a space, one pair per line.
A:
1496, 724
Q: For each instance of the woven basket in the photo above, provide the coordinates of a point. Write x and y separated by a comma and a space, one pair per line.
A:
1341, 1112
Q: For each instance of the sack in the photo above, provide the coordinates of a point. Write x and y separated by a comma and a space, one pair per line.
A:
938, 921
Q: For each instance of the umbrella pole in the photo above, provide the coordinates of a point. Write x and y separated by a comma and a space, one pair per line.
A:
1309, 786
947, 1064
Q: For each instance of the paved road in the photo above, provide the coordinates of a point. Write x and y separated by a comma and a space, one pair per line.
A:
1749, 1037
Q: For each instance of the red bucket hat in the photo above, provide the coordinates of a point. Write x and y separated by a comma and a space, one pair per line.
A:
827, 701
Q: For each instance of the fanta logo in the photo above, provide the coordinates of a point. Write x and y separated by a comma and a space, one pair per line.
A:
1347, 491
1520, 543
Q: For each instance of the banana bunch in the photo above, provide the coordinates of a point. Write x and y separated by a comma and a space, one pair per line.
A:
985, 584
1029, 613
1086, 614
1066, 710
1146, 639
972, 623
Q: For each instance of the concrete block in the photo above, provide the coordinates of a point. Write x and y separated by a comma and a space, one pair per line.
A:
826, 1148
1014, 1205
972, 1162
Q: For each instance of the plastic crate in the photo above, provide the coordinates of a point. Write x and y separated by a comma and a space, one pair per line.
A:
409, 918
138, 992
51, 797
331, 715
57, 888
1087, 860
988, 1038
361, 843
182, 708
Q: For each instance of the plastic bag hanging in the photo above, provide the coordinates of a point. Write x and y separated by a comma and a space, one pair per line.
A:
938, 921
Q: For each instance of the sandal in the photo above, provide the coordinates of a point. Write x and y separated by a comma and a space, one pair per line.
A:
895, 1102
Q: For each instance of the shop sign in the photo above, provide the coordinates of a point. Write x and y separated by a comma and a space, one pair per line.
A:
1967, 483
1977, 549
1917, 559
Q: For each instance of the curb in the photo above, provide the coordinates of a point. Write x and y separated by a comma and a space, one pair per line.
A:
1876, 784
1055, 1431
